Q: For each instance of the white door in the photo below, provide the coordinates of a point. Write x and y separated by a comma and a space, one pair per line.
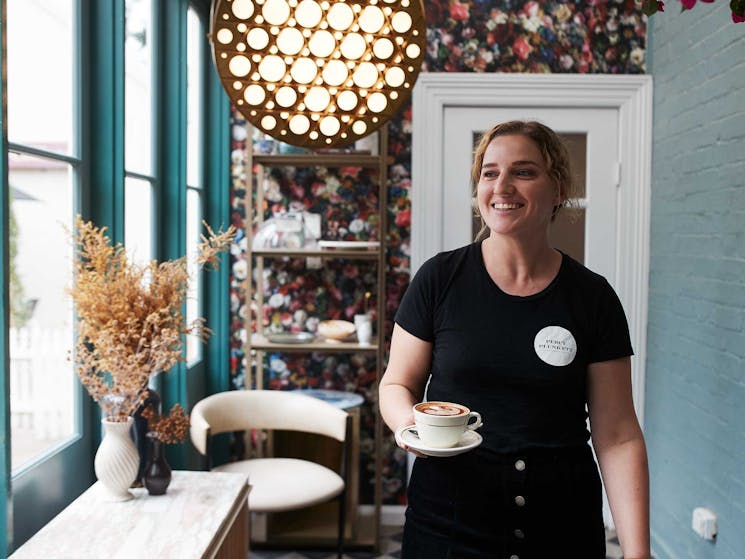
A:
592, 137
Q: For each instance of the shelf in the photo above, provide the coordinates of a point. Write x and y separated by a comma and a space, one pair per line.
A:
318, 159
317, 526
362, 254
259, 342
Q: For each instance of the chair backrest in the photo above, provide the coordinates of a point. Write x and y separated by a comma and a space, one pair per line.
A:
238, 410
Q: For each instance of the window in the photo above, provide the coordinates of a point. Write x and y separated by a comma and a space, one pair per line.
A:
194, 172
139, 182
124, 139
43, 163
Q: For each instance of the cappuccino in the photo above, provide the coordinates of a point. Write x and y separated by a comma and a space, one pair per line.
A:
441, 408
441, 424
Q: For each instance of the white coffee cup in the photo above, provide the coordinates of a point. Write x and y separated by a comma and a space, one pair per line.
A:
441, 424
363, 325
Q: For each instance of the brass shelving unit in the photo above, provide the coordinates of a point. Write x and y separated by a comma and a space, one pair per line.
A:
317, 526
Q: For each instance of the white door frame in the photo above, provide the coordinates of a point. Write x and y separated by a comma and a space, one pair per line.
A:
631, 95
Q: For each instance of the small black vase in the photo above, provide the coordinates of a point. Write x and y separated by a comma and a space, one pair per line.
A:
140, 429
157, 475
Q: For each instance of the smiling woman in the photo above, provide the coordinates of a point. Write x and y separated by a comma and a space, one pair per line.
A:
530, 338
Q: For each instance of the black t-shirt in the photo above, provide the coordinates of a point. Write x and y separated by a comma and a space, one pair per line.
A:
521, 362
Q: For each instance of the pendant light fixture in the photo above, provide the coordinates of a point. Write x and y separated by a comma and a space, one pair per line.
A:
318, 74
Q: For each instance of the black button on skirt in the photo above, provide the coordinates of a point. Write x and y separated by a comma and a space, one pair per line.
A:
527, 505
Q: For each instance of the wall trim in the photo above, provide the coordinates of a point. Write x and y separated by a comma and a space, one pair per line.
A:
630, 94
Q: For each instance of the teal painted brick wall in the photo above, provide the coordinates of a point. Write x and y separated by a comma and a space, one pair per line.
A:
695, 392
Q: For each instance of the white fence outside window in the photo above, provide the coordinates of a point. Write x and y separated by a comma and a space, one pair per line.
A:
42, 381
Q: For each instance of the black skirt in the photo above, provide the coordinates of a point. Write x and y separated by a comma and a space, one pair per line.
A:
528, 505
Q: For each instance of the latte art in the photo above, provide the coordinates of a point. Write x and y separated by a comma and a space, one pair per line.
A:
442, 424
440, 408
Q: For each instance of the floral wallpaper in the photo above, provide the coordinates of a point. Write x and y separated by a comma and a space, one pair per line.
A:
591, 36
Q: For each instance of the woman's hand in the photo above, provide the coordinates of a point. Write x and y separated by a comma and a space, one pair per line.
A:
409, 421
404, 380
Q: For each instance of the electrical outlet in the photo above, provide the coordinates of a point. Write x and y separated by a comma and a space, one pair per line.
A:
704, 523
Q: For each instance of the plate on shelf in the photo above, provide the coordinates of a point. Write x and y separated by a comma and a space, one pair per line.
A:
337, 330
468, 441
348, 244
290, 337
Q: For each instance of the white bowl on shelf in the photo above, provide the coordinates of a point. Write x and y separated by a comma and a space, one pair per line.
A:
336, 329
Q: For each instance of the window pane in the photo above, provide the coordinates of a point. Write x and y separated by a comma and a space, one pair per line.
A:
138, 86
138, 220
576, 144
42, 380
194, 40
40, 61
194, 297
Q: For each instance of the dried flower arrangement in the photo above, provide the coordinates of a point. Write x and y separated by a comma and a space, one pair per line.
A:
170, 428
131, 324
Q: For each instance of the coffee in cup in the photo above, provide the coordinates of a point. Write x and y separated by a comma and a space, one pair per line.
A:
441, 424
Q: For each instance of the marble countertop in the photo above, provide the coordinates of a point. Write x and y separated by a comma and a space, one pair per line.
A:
187, 522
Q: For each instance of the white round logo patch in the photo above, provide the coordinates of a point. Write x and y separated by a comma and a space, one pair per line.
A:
555, 345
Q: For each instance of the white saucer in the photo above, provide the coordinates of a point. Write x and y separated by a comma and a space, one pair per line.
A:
468, 441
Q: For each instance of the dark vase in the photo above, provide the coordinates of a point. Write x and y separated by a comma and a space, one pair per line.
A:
157, 474
140, 429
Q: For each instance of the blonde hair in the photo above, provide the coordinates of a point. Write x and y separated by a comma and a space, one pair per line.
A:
552, 148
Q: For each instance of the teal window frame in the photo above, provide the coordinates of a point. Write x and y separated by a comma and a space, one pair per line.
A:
100, 39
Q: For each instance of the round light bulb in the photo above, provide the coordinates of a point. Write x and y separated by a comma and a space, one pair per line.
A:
395, 76
383, 48
377, 102
359, 127
413, 51
299, 124
285, 96
308, 13
224, 36
401, 22
275, 12
257, 38
335, 72
317, 99
290, 40
346, 100
268, 122
239, 66
322, 43
365, 75
304, 70
371, 19
272, 68
254, 94
353, 46
340, 16
329, 125
242, 9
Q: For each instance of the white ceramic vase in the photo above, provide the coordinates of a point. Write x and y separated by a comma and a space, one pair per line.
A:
117, 459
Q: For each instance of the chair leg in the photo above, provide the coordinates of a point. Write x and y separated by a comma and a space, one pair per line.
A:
342, 521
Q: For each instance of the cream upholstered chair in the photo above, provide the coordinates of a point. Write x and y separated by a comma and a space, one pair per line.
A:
278, 484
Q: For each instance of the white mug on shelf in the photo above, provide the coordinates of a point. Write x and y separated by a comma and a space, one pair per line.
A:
363, 325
